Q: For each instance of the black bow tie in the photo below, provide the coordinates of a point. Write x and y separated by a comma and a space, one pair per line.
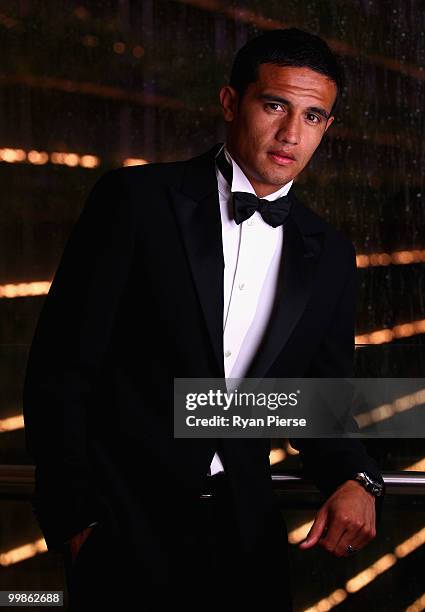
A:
245, 204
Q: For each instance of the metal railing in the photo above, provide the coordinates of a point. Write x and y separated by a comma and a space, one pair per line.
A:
396, 483
17, 481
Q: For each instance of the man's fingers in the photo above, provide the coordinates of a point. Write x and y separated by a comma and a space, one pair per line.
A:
350, 518
357, 539
334, 535
316, 531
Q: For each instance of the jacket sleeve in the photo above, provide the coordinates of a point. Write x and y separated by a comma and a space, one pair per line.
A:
331, 461
65, 357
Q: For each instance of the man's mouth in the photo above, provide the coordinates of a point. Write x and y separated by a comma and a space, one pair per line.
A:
282, 158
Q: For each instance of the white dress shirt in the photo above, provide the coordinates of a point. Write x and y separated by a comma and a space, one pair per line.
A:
252, 255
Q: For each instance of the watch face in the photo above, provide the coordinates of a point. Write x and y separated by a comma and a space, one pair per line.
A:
370, 483
375, 486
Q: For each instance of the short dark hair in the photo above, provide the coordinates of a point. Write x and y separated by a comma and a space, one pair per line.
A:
286, 47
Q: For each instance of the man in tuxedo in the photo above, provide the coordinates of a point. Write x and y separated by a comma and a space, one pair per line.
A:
206, 267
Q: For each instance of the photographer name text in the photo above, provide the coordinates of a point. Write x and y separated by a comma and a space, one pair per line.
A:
244, 423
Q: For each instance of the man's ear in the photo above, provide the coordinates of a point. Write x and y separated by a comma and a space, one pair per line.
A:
329, 121
229, 102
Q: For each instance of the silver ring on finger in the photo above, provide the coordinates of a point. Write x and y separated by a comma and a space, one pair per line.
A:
350, 550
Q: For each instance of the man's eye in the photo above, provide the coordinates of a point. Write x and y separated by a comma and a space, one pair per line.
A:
270, 104
317, 119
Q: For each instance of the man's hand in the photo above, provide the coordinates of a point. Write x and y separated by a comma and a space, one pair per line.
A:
77, 541
347, 517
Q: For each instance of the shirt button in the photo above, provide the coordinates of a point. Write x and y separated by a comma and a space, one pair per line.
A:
250, 221
241, 285
227, 353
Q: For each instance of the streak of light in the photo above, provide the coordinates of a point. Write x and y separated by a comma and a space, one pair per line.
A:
339, 46
419, 466
21, 553
418, 605
397, 258
403, 330
298, 534
12, 423
94, 89
31, 288
134, 161
276, 455
290, 449
12, 156
387, 411
370, 573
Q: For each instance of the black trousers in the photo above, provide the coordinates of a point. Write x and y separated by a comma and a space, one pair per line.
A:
215, 571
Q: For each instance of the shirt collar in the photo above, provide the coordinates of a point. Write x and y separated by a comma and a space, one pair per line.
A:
240, 182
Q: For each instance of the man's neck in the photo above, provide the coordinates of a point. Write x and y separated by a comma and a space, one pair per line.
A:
260, 189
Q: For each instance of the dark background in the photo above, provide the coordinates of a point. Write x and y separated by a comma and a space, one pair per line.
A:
124, 80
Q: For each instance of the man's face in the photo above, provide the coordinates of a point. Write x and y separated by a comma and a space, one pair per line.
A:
285, 112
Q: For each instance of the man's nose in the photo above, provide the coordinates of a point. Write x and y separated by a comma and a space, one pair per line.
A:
289, 130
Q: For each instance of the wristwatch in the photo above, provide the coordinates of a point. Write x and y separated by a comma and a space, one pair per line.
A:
370, 483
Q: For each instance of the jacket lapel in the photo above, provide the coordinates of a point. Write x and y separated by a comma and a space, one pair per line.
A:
302, 245
197, 209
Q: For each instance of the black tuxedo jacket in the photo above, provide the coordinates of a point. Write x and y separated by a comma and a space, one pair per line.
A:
138, 300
